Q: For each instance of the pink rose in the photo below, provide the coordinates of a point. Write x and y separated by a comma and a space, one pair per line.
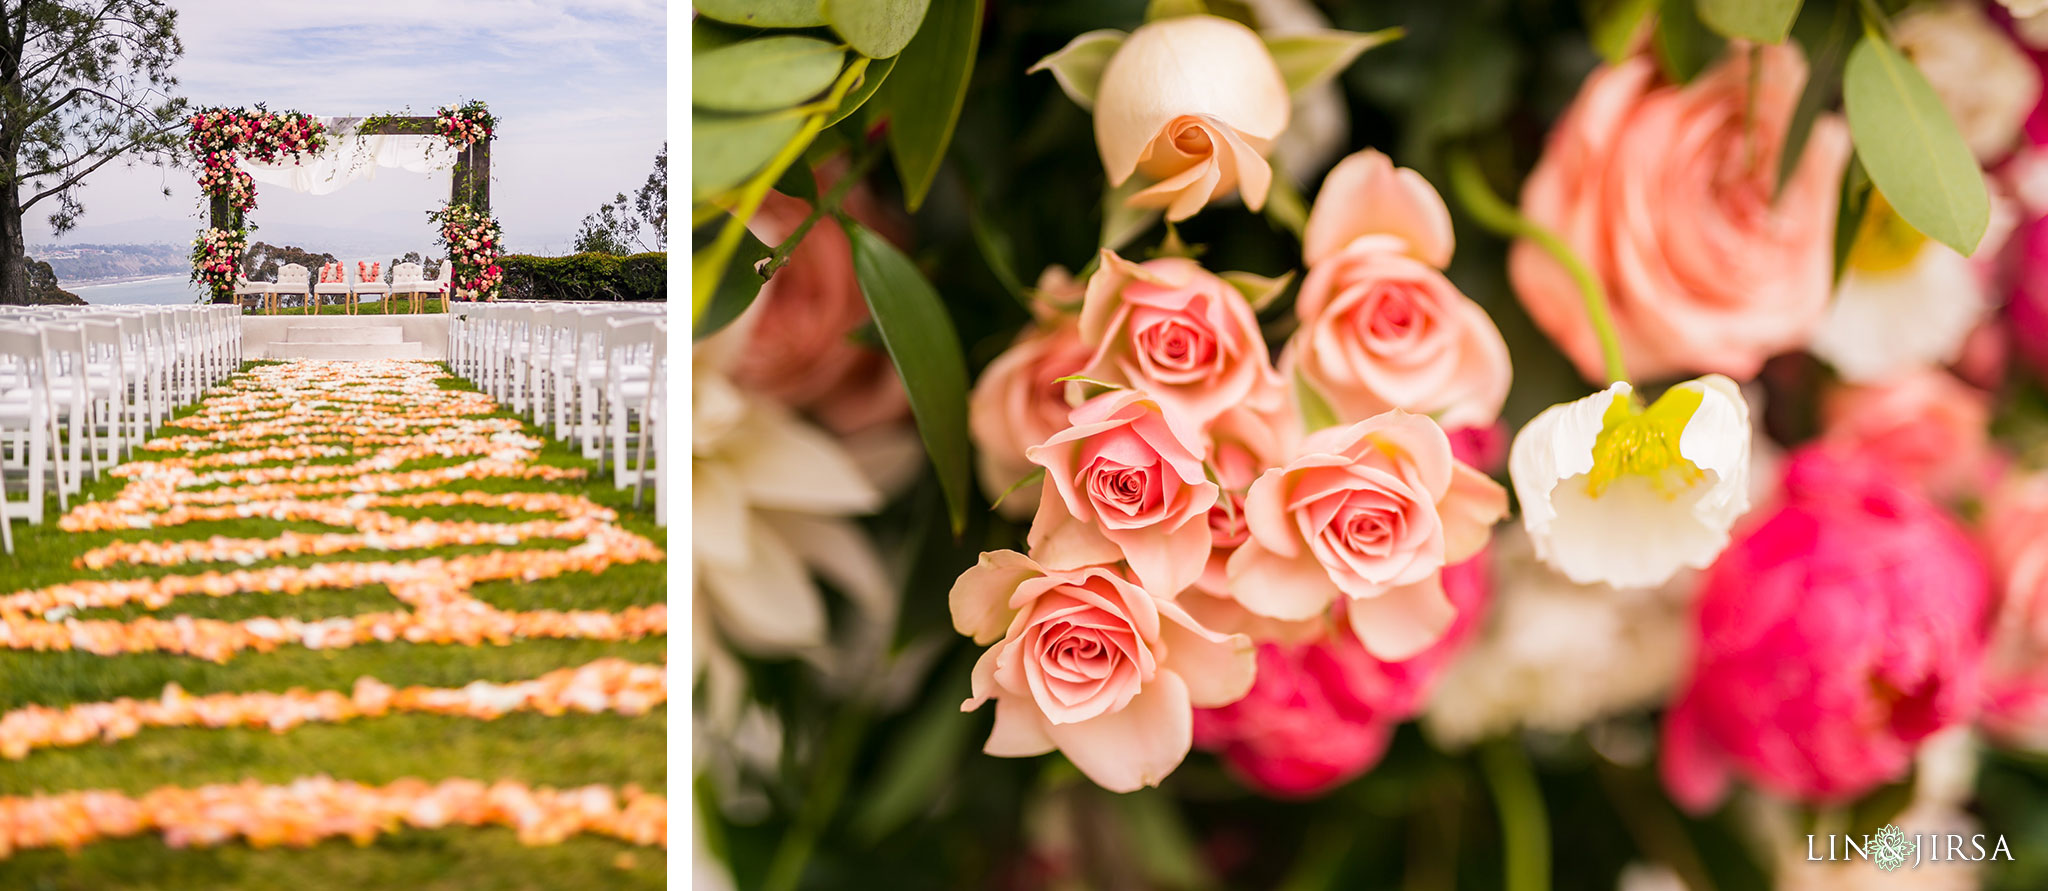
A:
1320, 712
1365, 515
1090, 664
1125, 482
2016, 687
1925, 427
1242, 444
2027, 311
1173, 329
1380, 330
1835, 634
1020, 402
1666, 192
799, 350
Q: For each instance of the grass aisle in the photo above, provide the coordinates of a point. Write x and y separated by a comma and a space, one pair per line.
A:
341, 625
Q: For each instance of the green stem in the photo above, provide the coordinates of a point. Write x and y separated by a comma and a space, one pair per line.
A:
1525, 827
835, 766
828, 203
708, 266
1469, 184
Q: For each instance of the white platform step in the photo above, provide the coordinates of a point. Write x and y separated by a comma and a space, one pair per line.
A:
351, 334
348, 351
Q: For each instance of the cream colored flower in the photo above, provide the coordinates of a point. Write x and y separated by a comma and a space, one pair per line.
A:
1192, 103
1987, 83
1905, 301
1612, 491
1555, 655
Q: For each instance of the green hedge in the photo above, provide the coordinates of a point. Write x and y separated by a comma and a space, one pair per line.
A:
586, 277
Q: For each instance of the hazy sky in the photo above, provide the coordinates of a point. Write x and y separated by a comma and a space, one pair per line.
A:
578, 89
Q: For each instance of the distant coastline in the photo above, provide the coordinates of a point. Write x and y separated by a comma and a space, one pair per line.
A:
118, 280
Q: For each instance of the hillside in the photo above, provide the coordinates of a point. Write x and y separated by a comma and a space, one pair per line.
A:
80, 264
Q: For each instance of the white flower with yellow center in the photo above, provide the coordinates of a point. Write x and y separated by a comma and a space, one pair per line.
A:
1905, 301
1615, 492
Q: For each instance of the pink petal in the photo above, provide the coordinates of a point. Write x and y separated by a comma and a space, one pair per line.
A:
1280, 587
1403, 621
1019, 730
1137, 746
980, 597
1218, 668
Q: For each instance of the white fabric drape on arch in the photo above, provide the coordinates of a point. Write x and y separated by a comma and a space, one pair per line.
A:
351, 156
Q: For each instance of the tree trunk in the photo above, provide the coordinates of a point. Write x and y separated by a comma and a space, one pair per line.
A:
13, 247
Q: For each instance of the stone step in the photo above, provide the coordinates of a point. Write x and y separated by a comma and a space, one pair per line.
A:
347, 351
382, 334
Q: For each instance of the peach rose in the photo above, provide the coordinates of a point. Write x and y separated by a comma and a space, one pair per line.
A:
1193, 103
1665, 192
1925, 426
1020, 400
1242, 444
1090, 664
1367, 515
797, 332
1175, 330
2016, 677
1125, 482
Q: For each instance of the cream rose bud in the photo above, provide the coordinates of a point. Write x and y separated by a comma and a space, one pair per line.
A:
1175, 330
1086, 662
1193, 103
1125, 482
1614, 492
1365, 515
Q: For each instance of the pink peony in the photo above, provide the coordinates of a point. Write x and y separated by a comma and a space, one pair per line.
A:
2027, 312
1090, 664
1125, 482
1835, 634
1669, 194
1175, 330
1320, 712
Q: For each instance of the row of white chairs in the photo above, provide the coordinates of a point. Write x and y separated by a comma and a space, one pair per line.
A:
592, 374
294, 280
82, 386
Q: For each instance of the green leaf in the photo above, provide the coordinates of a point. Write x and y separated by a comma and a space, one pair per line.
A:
1310, 59
726, 149
763, 13
1167, 9
1685, 46
1468, 89
1823, 81
1284, 204
1611, 25
871, 80
1078, 65
919, 765
924, 96
920, 339
876, 28
1911, 147
736, 289
1849, 210
1033, 478
1163, 847
1316, 413
763, 74
1761, 21
1260, 290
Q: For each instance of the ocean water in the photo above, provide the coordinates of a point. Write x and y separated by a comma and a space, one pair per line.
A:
160, 291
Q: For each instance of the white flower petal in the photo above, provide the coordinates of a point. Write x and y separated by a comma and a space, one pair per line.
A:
1881, 323
768, 605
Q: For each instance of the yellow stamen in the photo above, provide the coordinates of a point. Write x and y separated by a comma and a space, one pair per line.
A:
1885, 242
1635, 441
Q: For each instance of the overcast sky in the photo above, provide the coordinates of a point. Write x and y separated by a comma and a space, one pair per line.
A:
578, 89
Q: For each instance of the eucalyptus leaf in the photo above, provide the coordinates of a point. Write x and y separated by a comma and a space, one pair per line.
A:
1078, 65
1310, 59
1316, 413
762, 13
1260, 290
1612, 25
1167, 9
1823, 82
1850, 209
1911, 147
875, 28
923, 97
1685, 45
1760, 21
871, 81
726, 149
921, 342
736, 289
763, 74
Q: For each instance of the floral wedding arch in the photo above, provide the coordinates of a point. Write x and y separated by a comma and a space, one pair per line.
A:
236, 147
